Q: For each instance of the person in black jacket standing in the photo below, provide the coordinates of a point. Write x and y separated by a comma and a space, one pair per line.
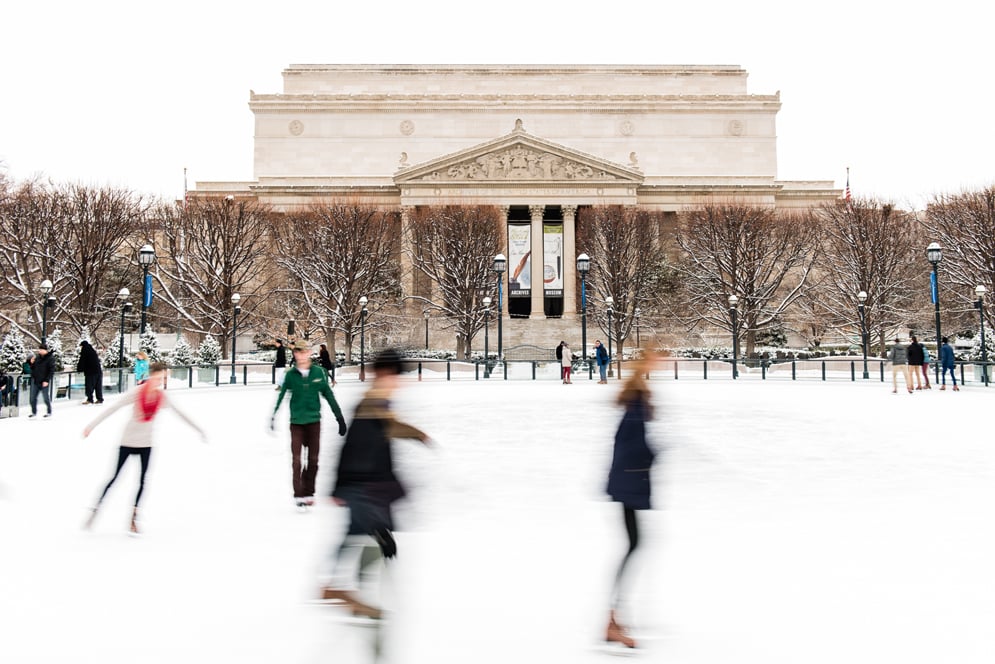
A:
42, 372
280, 363
916, 359
93, 373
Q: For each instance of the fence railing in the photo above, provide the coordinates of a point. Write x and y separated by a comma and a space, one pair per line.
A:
68, 385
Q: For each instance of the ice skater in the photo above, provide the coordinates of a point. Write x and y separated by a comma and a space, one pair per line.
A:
947, 363
629, 480
307, 382
146, 401
366, 484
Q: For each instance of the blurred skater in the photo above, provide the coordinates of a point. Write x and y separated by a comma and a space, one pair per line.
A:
629, 479
141, 367
307, 383
566, 363
145, 402
899, 357
925, 366
366, 484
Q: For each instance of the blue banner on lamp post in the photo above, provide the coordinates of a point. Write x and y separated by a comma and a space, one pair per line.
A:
932, 286
147, 300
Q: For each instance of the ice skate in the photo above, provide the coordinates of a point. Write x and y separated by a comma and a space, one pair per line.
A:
615, 634
89, 521
347, 599
133, 529
956, 389
942, 387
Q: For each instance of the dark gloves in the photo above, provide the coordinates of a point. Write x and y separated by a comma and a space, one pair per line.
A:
383, 537
342, 428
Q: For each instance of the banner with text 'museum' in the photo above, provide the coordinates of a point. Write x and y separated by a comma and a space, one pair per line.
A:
552, 267
519, 260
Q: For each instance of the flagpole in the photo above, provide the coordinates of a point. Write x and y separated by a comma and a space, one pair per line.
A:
185, 187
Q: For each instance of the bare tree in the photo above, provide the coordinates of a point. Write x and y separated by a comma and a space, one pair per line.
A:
964, 225
336, 253
214, 248
627, 263
761, 256
872, 247
73, 235
454, 246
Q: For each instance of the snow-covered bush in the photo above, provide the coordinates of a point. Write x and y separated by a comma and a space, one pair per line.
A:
182, 354
54, 343
110, 360
13, 352
208, 352
149, 343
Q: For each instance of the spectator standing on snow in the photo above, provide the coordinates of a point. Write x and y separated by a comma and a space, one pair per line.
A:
279, 363
566, 363
42, 371
629, 479
947, 363
145, 403
916, 357
899, 358
93, 373
601, 359
366, 484
307, 384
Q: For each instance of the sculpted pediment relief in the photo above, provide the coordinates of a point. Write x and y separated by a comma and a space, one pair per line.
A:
518, 157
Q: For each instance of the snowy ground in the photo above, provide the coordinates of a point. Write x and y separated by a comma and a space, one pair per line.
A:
796, 522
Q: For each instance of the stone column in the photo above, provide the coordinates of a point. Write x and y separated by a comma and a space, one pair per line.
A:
569, 261
503, 249
407, 269
538, 291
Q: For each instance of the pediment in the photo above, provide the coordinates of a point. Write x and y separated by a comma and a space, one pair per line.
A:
519, 157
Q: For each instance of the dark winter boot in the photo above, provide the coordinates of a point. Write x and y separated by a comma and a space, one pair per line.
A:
618, 634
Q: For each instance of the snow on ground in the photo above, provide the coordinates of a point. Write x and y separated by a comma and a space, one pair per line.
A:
795, 522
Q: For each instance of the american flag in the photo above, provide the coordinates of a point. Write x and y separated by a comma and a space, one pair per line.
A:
846, 192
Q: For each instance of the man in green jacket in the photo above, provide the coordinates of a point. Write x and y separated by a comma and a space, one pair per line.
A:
306, 382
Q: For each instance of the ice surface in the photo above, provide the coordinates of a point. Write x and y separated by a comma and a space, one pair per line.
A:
796, 522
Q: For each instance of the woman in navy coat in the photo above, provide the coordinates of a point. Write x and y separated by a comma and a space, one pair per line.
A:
629, 477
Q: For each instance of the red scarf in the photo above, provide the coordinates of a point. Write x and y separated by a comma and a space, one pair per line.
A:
149, 400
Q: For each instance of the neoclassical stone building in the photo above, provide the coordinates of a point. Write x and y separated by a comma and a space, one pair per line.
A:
539, 141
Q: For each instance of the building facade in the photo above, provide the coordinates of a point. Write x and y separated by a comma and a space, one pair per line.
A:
537, 141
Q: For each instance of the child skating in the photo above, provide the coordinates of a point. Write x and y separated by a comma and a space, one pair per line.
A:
145, 403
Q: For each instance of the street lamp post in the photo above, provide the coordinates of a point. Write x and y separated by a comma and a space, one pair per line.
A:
861, 298
362, 338
637, 326
487, 327
122, 295
236, 310
426, 329
610, 301
46, 290
934, 254
733, 311
980, 305
146, 256
583, 267
499, 266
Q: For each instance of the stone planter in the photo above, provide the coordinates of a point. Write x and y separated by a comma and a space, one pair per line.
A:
206, 374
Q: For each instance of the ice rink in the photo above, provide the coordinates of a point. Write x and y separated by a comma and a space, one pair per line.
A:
795, 522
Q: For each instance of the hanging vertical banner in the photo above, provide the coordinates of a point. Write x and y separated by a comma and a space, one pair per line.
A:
552, 267
520, 260
148, 291
932, 287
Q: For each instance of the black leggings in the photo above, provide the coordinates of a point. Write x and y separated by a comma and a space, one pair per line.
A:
122, 455
632, 530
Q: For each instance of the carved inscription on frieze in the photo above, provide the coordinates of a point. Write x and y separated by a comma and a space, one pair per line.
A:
519, 163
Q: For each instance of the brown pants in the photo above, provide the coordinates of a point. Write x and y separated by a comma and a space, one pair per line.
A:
301, 436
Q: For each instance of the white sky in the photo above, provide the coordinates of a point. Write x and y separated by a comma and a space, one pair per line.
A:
794, 522
130, 94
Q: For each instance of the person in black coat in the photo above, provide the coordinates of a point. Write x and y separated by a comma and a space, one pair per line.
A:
916, 359
365, 481
325, 360
629, 477
42, 371
93, 373
279, 363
